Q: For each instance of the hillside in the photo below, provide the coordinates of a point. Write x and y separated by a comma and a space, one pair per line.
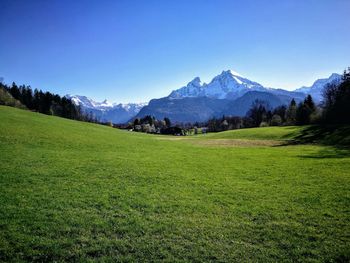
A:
327, 135
75, 191
268, 133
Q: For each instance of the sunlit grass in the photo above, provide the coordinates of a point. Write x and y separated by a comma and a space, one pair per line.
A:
78, 191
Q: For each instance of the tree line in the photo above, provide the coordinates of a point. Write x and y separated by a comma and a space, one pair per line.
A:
261, 114
44, 102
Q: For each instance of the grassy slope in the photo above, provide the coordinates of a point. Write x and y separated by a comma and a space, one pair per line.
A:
330, 135
79, 191
268, 133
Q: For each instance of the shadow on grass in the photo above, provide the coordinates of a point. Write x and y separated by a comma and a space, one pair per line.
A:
328, 135
329, 153
337, 137
293, 132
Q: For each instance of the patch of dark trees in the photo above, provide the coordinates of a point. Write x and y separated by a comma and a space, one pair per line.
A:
336, 105
262, 115
150, 124
46, 102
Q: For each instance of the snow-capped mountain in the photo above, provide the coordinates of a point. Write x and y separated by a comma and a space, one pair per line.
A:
105, 110
228, 93
88, 103
316, 89
228, 85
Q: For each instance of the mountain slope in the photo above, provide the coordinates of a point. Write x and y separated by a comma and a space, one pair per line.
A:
316, 89
193, 109
184, 110
241, 106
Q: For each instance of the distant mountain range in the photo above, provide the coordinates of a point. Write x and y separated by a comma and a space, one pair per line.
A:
227, 94
107, 111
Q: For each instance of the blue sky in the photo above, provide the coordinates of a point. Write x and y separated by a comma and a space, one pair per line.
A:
132, 51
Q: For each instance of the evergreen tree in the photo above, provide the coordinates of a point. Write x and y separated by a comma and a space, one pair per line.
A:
36, 100
310, 103
258, 112
302, 114
14, 90
167, 122
291, 113
27, 97
305, 110
280, 111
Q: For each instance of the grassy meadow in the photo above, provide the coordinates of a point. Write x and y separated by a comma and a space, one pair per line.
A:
75, 191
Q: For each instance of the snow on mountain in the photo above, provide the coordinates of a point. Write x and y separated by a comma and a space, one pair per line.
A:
231, 85
229, 93
193, 89
132, 107
82, 101
106, 104
316, 89
89, 103
197, 100
106, 110
228, 85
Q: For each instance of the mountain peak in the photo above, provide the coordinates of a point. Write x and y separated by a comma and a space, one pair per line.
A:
106, 103
334, 76
228, 84
231, 72
195, 82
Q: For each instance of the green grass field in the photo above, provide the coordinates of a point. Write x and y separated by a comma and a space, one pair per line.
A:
74, 191
268, 133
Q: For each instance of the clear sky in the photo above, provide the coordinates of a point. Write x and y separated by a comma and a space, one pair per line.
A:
132, 51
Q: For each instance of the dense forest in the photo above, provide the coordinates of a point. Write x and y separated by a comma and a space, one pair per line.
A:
336, 105
44, 102
262, 115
